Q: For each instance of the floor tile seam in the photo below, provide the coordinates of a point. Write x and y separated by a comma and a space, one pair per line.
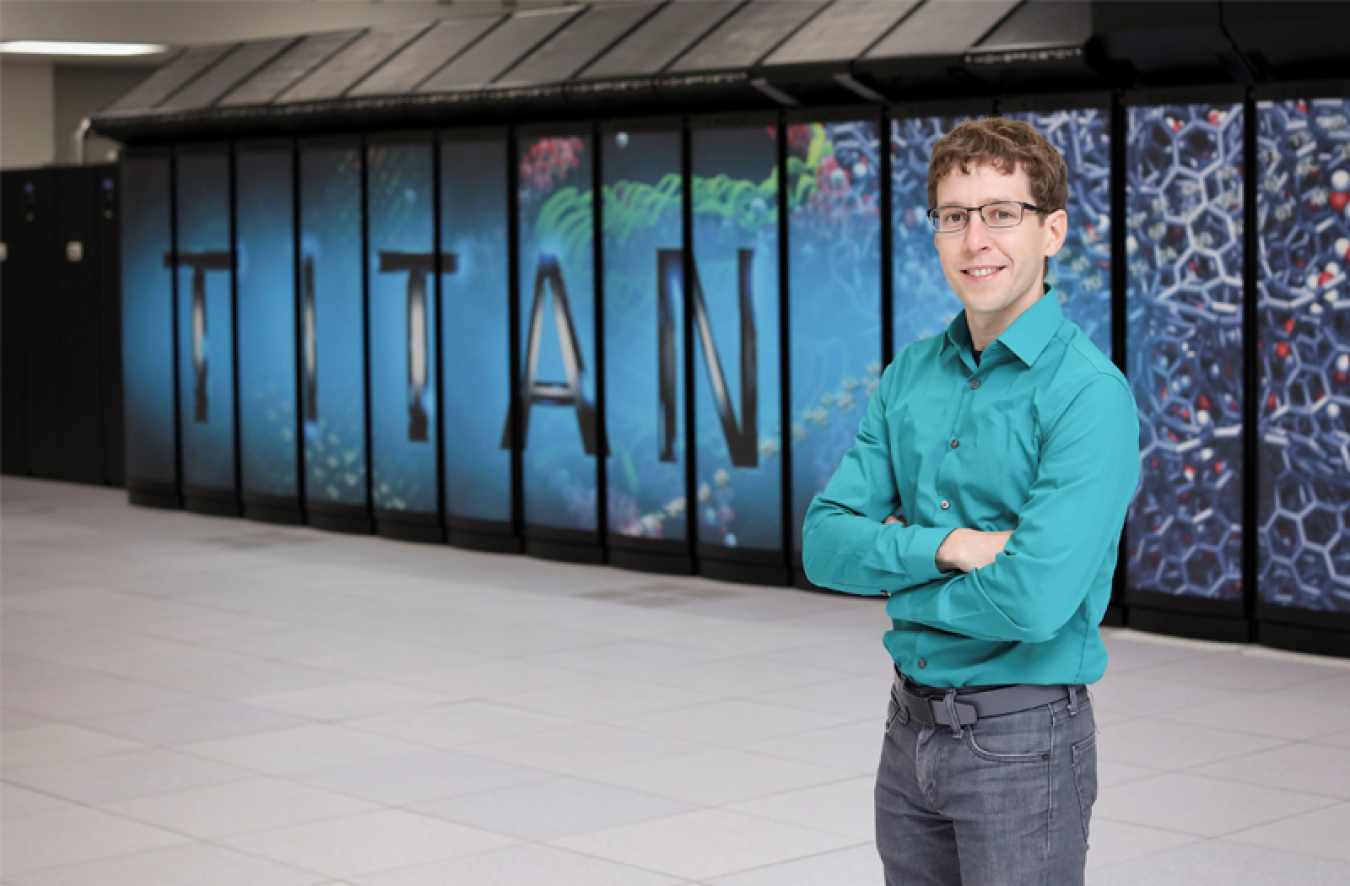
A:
245, 774
1195, 840
702, 748
549, 776
737, 745
351, 723
1160, 720
1333, 797
266, 773
1271, 653
364, 876
581, 677
538, 776
87, 671
726, 807
134, 710
810, 682
1198, 837
727, 873
186, 837
77, 758
173, 745
641, 682
748, 698
1323, 800
173, 637
106, 808
221, 844
1332, 672
556, 842
1240, 831
145, 677
217, 839
598, 774
102, 804
49, 796
625, 722
220, 839
253, 700
749, 748
1250, 702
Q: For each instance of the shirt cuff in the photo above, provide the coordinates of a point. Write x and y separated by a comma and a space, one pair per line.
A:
921, 558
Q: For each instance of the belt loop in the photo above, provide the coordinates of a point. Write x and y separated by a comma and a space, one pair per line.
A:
949, 699
1073, 700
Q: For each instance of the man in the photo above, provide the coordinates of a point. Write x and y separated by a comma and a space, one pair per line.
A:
1011, 445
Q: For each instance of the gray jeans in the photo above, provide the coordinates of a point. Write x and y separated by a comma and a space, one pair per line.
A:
1005, 802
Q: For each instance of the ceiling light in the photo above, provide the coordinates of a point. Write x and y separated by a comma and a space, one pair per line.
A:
64, 47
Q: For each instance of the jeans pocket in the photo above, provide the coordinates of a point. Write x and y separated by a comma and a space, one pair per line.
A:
1085, 778
1023, 737
998, 753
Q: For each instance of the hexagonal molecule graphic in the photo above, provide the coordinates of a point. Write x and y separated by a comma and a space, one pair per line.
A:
1303, 304
1184, 244
1081, 272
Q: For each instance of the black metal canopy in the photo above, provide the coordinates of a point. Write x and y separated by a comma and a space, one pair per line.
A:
648, 57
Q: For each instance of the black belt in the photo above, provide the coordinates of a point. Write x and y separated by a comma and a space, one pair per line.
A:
974, 706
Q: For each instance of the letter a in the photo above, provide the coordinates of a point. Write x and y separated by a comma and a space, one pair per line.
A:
567, 393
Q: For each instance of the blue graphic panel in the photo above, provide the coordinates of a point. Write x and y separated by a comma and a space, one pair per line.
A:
924, 303
476, 328
147, 318
736, 353
205, 319
332, 320
834, 260
403, 391
1303, 530
1081, 272
265, 246
644, 334
1184, 300
557, 310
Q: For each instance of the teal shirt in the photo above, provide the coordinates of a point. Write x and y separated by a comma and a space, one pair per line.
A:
1041, 438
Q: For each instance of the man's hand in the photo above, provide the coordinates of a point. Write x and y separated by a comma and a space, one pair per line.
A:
966, 549
969, 549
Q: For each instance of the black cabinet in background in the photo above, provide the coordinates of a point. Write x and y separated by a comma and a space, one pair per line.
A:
16, 233
61, 325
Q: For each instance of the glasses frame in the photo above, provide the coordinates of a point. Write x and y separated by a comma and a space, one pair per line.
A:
933, 215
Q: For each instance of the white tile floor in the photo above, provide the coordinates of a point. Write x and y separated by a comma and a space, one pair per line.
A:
190, 700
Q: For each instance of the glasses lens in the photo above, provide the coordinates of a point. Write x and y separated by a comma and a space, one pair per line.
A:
946, 219
1003, 215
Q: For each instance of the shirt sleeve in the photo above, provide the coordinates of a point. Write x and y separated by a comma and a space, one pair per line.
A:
845, 545
1088, 473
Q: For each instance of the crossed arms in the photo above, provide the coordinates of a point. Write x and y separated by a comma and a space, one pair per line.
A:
1020, 585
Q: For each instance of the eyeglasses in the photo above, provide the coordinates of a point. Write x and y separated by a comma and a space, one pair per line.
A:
1004, 214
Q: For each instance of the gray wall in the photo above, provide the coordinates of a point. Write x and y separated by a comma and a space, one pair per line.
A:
79, 91
27, 106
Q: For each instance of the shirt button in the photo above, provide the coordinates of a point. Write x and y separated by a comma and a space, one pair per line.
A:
945, 505
923, 662
955, 444
974, 384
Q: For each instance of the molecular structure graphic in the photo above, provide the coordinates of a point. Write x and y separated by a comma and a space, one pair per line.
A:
1081, 272
1304, 341
1184, 302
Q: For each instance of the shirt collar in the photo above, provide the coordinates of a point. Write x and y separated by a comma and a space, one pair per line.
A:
1026, 337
